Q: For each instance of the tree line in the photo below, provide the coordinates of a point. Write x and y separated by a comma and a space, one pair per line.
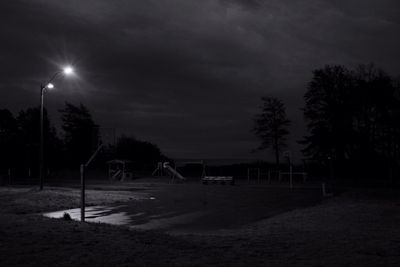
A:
353, 122
68, 147
352, 117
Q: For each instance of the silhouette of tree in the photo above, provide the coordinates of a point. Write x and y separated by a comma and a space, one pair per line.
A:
271, 126
80, 133
8, 139
353, 119
329, 110
377, 117
29, 138
139, 151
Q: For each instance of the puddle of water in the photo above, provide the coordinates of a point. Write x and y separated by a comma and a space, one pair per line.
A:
114, 216
120, 218
99, 214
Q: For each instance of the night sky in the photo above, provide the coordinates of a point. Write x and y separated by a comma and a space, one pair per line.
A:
187, 75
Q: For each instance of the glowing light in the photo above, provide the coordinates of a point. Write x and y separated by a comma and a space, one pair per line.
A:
68, 70
50, 86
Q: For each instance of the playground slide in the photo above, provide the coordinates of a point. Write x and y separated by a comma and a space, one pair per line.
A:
174, 172
116, 175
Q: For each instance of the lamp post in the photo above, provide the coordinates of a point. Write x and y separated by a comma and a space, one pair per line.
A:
68, 70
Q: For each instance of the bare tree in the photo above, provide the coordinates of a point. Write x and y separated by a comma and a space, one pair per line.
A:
271, 126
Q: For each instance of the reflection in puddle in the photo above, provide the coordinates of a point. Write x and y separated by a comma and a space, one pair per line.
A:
118, 216
100, 214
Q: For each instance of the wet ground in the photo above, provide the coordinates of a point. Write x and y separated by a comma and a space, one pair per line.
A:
194, 208
356, 228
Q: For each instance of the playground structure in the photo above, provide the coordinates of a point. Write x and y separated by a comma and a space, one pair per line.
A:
119, 170
164, 167
220, 174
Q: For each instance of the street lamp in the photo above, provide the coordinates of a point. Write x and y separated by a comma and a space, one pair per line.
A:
67, 71
50, 86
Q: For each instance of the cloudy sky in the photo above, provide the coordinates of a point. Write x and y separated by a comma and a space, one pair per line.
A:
187, 74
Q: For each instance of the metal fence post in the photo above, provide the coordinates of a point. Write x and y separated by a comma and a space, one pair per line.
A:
82, 169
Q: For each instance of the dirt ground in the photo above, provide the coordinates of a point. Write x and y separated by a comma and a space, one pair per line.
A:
282, 227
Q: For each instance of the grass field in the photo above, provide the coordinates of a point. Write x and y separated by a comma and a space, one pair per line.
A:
240, 225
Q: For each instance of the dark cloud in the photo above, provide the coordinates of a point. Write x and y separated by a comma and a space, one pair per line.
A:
245, 3
187, 74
